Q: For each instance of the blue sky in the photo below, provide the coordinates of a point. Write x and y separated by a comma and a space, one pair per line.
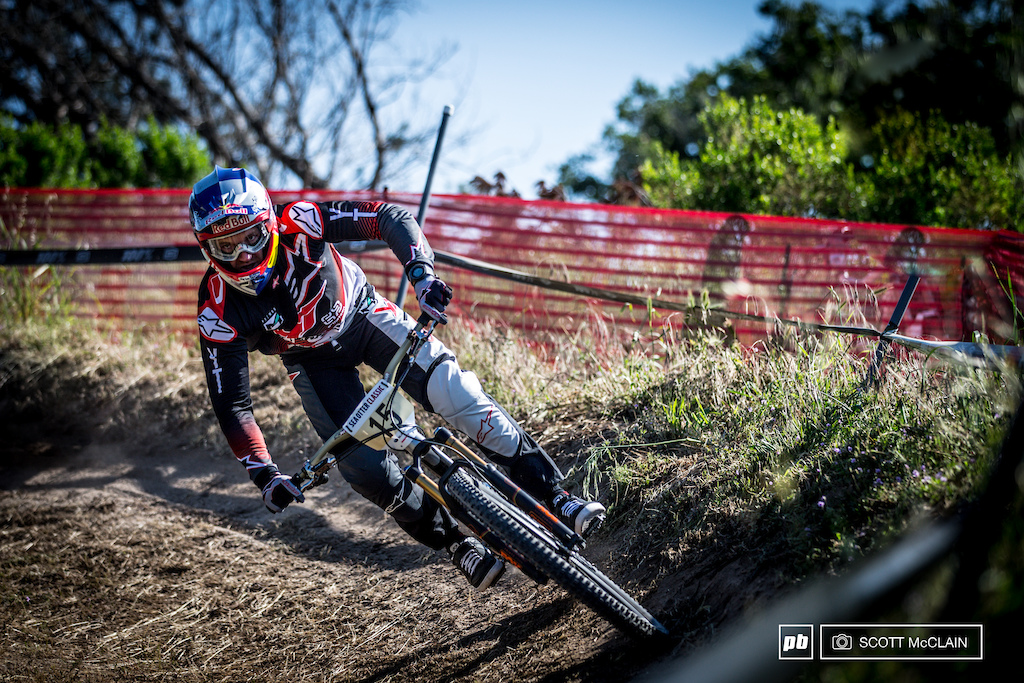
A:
534, 82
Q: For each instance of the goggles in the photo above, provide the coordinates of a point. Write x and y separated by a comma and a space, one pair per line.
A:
250, 240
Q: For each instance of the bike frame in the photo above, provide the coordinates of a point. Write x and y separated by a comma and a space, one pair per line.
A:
385, 419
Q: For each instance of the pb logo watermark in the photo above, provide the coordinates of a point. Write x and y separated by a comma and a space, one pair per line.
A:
796, 641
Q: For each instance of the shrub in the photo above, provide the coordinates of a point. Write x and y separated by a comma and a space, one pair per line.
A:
40, 156
758, 160
931, 172
36, 155
924, 170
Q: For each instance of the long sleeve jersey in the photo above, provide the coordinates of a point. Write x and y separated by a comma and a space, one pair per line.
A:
309, 302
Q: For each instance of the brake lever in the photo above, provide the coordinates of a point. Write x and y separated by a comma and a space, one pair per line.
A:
428, 323
418, 336
309, 476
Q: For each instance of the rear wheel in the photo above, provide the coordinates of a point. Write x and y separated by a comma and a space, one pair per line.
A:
572, 571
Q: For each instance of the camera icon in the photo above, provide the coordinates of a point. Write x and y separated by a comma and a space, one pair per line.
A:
841, 642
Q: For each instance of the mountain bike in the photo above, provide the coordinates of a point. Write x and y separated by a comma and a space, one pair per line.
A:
480, 496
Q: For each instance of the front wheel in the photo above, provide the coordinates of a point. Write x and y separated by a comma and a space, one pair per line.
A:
572, 571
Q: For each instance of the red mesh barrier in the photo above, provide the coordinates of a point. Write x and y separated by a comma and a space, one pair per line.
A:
792, 268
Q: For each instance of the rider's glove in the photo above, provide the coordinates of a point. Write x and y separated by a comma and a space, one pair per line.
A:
278, 489
434, 295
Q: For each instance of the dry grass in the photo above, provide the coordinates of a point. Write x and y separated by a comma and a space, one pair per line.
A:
133, 548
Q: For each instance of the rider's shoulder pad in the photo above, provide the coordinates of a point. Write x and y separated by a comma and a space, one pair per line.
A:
302, 217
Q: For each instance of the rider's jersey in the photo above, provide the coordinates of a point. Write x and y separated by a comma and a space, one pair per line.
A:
309, 302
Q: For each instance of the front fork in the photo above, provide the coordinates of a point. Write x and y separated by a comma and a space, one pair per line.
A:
441, 463
416, 474
520, 498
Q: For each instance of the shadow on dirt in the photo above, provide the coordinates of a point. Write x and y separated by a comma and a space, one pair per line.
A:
507, 634
38, 459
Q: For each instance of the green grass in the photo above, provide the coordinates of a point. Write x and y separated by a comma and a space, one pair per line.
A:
708, 456
31, 292
689, 441
785, 445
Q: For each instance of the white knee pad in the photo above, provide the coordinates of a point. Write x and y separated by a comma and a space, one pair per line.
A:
456, 395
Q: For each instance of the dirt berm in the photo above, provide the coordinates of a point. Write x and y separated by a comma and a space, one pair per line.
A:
134, 548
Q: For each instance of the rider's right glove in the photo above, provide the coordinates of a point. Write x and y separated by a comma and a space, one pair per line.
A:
278, 489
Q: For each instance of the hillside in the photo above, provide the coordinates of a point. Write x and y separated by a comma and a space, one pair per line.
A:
133, 547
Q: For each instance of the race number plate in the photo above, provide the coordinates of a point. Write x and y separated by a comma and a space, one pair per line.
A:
367, 420
370, 422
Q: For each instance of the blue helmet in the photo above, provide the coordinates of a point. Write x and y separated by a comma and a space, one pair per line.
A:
234, 220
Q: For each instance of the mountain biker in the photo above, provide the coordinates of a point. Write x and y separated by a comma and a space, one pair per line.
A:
276, 284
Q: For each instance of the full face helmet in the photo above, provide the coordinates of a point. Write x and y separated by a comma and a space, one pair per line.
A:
236, 226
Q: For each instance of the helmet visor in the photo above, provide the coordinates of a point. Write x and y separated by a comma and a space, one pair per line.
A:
229, 248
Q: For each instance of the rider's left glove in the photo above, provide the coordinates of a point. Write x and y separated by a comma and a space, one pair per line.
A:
278, 490
433, 295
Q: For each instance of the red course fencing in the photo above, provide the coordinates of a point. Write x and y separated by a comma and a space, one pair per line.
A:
803, 269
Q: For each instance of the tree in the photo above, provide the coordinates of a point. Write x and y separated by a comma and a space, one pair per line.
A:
961, 58
757, 160
932, 172
805, 61
290, 88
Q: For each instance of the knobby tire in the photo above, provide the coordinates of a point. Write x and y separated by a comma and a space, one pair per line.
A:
573, 572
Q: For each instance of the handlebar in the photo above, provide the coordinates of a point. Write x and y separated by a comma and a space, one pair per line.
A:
425, 319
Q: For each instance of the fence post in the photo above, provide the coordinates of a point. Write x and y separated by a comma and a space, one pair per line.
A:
403, 285
892, 327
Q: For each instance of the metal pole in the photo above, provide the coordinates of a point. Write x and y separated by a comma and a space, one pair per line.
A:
425, 199
892, 327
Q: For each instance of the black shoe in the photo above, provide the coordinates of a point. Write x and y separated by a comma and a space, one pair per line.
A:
582, 516
478, 564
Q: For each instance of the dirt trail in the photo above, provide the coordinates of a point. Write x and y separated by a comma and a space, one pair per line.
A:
157, 561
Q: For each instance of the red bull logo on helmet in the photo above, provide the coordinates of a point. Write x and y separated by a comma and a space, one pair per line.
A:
232, 223
238, 217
